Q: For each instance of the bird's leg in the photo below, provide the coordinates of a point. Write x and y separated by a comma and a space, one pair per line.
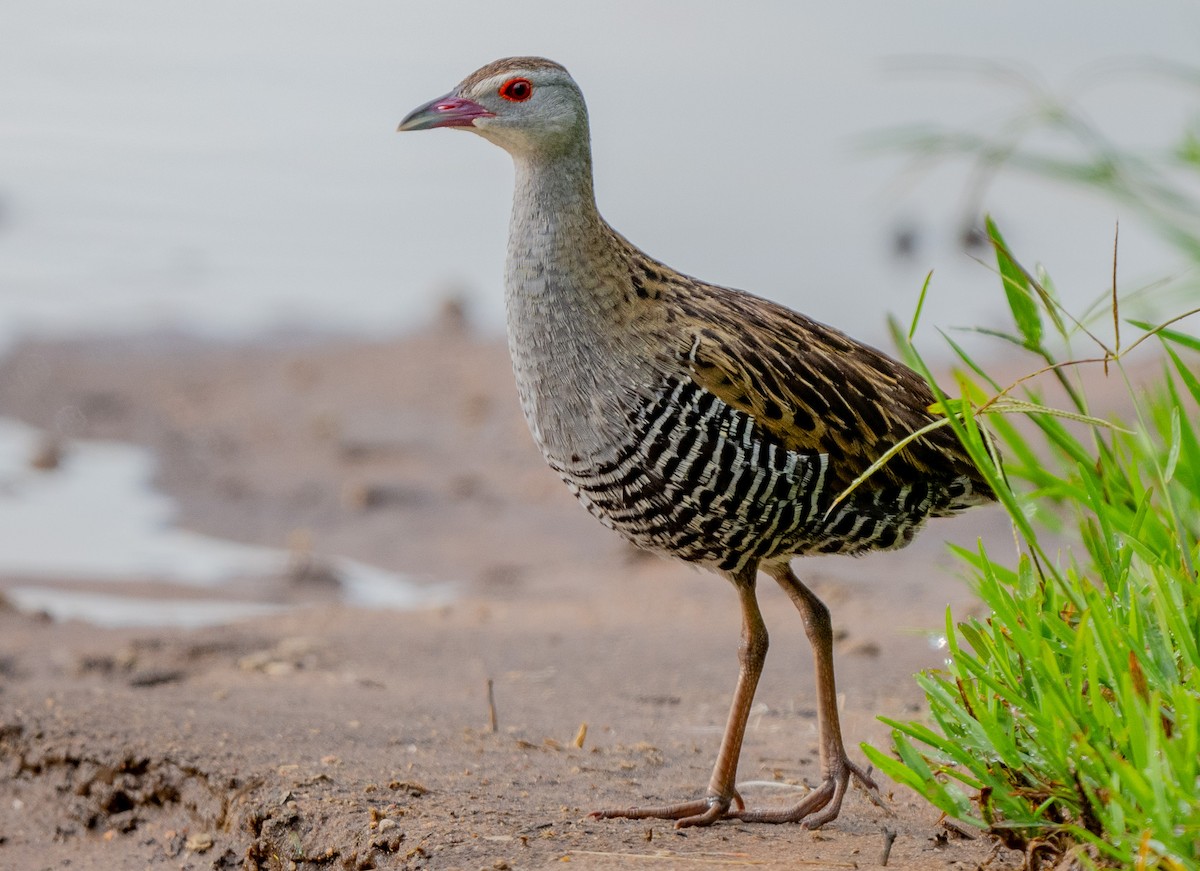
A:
823, 804
722, 791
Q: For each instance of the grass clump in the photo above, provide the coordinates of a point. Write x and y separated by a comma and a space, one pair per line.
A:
1067, 722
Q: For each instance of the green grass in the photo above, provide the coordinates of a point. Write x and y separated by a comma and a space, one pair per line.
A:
1067, 722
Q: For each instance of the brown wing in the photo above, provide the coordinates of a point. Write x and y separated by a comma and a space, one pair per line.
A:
818, 390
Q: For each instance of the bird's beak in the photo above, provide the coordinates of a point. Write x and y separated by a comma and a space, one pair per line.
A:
448, 111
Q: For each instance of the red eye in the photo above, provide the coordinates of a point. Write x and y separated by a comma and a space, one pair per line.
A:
517, 90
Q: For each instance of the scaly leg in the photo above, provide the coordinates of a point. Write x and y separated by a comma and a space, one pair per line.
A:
823, 804
722, 791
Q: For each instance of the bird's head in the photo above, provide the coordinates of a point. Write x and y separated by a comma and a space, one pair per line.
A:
526, 105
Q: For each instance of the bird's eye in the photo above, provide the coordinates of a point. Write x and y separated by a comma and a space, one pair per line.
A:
517, 90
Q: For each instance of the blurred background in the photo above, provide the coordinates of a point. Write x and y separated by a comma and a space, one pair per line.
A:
229, 171
255, 403
230, 168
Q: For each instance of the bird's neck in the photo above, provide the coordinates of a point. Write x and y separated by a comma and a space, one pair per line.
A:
562, 277
563, 298
554, 217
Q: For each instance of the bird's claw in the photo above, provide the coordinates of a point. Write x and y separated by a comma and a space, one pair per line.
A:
686, 814
823, 804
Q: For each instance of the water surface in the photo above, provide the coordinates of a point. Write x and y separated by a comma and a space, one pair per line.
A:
95, 522
231, 166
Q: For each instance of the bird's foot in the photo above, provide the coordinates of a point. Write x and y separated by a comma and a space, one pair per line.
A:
701, 812
823, 804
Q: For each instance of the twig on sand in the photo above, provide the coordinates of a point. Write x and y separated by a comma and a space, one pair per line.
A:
889, 838
491, 699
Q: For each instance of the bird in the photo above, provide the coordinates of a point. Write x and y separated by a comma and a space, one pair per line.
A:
697, 421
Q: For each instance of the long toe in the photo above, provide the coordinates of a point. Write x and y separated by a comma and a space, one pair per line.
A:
701, 812
823, 804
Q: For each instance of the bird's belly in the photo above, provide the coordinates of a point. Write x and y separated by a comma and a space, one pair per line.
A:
695, 478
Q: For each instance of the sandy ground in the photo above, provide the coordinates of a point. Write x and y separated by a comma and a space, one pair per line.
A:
331, 737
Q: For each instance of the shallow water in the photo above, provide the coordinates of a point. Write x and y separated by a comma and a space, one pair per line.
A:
229, 166
96, 520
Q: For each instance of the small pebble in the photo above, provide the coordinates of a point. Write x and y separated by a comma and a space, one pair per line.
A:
199, 842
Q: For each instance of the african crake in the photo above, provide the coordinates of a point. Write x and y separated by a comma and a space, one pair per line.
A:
695, 420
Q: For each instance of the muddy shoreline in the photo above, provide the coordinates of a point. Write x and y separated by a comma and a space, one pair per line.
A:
334, 737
